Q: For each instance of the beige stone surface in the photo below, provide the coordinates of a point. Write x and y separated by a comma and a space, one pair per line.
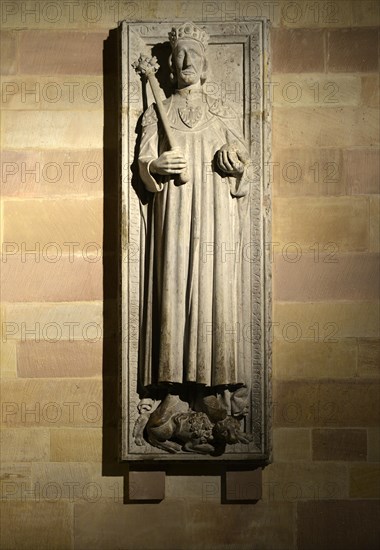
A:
32, 278
52, 173
2, 321
43, 223
102, 14
334, 320
52, 403
373, 443
329, 403
365, 13
76, 481
53, 322
284, 13
345, 224
326, 275
351, 50
192, 525
318, 521
289, 57
370, 90
301, 90
42, 525
76, 444
52, 93
323, 126
314, 358
68, 53
369, 358
59, 359
374, 220
339, 444
105, 15
291, 444
360, 171
8, 360
318, 14
32, 15
365, 481
9, 57
52, 129
23, 444
15, 480
303, 172
269, 526
98, 525
304, 481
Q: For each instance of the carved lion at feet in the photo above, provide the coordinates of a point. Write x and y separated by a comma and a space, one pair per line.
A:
173, 419
173, 427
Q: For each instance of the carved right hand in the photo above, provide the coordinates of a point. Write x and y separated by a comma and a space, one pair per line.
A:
170, 162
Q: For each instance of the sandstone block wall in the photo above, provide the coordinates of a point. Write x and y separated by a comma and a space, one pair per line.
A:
60, 488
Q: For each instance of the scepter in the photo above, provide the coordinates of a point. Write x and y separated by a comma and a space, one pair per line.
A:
147, 66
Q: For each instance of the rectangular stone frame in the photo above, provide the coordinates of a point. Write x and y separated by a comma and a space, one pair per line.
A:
252, 37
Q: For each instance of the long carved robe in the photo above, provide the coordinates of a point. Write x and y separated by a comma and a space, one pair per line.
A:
192, 264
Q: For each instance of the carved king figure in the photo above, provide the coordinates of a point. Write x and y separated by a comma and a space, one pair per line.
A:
192, 275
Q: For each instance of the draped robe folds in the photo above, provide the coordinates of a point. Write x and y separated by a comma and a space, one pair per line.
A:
190, 299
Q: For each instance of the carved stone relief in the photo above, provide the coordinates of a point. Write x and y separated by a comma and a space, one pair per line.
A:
195, 281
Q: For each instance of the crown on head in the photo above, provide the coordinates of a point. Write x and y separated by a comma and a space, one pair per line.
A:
188, 31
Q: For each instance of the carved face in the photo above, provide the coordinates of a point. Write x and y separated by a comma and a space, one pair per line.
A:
188, 59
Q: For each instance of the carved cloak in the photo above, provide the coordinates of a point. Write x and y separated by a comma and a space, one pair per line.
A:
191, 255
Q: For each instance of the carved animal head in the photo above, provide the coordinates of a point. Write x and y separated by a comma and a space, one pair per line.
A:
240, 402
228, 431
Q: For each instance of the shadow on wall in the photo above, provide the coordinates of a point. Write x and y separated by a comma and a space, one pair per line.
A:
111, 254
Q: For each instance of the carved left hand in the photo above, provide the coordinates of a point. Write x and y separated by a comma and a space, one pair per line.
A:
230, 160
